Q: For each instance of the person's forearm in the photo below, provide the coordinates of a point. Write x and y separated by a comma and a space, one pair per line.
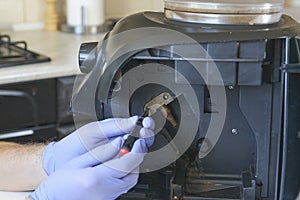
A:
21, 166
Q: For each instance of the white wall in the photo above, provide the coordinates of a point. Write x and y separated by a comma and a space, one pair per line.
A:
31, 11
18, 11
292, 3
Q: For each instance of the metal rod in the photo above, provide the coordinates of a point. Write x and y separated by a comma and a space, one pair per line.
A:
197, 59
285, 114
16, 134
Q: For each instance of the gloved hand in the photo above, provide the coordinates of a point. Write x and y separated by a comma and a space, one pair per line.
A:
84, 178
93, 137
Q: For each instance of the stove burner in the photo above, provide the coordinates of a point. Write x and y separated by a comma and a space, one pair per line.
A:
16, 53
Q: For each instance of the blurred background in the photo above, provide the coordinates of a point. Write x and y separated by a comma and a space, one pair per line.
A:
30, 14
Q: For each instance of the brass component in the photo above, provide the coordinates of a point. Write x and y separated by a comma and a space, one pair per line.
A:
160, 102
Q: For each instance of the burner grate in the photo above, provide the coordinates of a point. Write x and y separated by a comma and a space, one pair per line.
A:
14, 53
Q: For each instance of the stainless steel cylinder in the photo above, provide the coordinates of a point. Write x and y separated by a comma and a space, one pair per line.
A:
224, 11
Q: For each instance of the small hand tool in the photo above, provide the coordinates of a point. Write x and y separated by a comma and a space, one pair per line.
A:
159, 102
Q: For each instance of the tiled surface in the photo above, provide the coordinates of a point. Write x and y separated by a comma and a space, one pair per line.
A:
158, 5
292, 2
133, 6
34, 10
114, 8
21, 11
30, 11
11, 11
117, 8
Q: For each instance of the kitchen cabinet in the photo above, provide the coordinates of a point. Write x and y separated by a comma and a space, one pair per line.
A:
36, 111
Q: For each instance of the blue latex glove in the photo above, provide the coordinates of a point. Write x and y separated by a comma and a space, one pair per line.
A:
92, 137
84, 178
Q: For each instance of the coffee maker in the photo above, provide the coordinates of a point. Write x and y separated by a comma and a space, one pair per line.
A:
234, 78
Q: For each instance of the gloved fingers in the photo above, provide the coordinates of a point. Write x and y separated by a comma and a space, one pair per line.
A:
130, 180
148, 135
117, 126
107, 151
148, 123
98, 155
99, 133
139, 147
147, 132
126, 164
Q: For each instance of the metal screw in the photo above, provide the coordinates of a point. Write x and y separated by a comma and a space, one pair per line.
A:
166, 97
117, 86
234, 131
231, 87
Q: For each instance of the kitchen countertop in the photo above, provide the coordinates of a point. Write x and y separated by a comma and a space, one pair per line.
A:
61, 47
13, 195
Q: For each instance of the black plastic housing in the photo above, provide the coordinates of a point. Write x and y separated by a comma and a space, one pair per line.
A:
256, 156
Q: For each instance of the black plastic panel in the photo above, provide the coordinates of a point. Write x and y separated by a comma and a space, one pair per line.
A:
64, 95
290, 170
27, 104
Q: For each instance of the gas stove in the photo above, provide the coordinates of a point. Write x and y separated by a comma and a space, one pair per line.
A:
14, 53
